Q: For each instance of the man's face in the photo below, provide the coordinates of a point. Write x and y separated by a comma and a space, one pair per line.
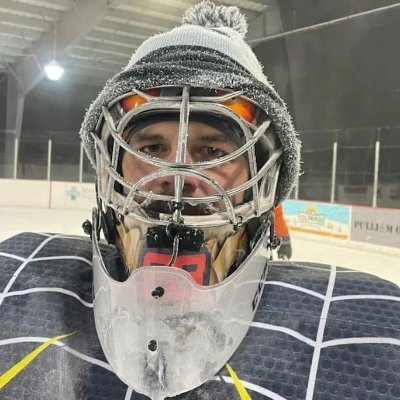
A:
204, 143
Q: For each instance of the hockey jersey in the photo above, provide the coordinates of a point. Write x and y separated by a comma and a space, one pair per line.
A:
320, 332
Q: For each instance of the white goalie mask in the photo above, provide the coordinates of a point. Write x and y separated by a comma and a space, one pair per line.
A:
186, 178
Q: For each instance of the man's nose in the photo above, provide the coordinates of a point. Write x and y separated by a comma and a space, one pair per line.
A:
190, 184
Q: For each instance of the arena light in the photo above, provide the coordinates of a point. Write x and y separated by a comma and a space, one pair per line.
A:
54, 71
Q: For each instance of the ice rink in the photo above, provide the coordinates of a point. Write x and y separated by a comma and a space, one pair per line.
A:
377, 260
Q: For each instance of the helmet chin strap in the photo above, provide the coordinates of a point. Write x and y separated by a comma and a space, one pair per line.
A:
263, 227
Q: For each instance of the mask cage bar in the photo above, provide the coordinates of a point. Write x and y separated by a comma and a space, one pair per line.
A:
165, 102
179, 179
117, 201
196, 106
171, 171
195, 200
116, 134
181, 172
154, 99
175, 168
129, 202
233, 213
111, 169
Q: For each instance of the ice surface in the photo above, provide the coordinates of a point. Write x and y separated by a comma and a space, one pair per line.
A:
17, 220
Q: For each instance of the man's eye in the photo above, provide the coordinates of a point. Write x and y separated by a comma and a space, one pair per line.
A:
213, 153
152, 149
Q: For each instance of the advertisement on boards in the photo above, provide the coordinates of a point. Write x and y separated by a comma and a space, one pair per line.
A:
319, 218
73, 195
376, 226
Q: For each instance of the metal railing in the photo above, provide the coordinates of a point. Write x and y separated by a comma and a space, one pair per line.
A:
37, 157
351, 166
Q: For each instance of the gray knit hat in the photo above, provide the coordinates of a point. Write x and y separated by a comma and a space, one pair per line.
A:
207, 50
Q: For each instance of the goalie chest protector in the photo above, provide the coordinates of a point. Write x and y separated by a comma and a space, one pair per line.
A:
320, 332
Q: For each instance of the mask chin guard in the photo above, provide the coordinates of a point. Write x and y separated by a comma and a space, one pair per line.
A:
162, 333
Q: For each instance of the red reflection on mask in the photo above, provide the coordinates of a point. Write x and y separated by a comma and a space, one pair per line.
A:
194, 263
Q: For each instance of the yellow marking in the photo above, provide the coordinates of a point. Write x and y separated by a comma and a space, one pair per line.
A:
239, 386
20, 365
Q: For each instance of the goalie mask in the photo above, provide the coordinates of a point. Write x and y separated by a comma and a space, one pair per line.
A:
189, 163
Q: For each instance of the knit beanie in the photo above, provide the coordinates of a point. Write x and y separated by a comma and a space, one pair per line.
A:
208, 50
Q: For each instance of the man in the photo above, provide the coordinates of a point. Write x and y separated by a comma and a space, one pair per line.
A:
193, 148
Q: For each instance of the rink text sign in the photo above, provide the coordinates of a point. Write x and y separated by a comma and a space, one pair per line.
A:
376, 226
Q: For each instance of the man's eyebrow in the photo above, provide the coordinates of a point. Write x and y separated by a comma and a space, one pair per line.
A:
146, 135
215, 137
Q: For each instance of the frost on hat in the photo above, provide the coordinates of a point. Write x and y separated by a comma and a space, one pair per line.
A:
207, 50
209, 15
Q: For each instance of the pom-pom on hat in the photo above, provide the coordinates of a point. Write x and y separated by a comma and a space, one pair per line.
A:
213, 27
207, 50
210, 16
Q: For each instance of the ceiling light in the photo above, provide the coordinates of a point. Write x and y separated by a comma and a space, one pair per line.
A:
54, 70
